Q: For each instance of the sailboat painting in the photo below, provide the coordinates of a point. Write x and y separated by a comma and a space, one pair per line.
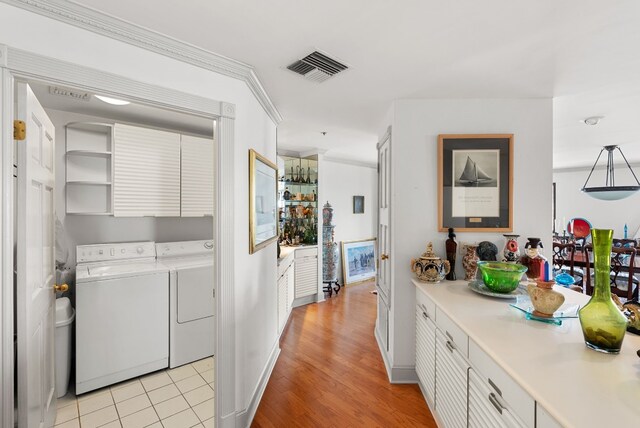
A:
475, 168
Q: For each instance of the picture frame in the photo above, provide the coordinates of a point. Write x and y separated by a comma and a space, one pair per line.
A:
263, 196
358, 204
475, 182
359, 261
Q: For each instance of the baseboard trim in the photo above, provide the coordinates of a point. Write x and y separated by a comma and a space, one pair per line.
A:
245, 417
396, 374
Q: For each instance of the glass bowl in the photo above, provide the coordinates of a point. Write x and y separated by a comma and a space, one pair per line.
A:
501, 277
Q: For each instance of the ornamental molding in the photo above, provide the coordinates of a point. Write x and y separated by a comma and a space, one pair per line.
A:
115, 28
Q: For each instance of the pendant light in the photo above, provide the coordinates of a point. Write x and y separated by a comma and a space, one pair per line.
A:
611, 192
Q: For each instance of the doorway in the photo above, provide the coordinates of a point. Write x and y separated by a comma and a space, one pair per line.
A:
9, 78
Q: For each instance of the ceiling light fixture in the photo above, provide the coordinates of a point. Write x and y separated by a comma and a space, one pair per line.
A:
611, 192
113, 101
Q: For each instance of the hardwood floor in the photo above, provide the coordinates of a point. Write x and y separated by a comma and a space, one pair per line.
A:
330, 372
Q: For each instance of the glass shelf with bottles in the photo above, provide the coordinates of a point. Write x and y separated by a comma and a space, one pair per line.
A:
299, 171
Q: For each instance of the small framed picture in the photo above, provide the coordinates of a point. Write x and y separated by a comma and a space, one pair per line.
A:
358, 204
358, 261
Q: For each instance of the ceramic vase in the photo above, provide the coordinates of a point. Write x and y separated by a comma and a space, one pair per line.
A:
470, 262
429, 267
603, 325
511, 251
544, 299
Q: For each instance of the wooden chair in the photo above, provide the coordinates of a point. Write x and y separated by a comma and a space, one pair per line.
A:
622, 283
625, 243
564, 260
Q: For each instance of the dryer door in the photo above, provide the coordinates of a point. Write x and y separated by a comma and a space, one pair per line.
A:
195, 293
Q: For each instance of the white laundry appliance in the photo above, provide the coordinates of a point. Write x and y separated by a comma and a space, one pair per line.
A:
122, 316
191, 299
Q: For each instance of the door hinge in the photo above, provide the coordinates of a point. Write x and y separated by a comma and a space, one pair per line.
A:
19, 130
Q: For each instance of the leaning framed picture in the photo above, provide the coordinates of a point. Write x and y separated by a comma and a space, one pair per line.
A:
358, 261
475, 182
263, 193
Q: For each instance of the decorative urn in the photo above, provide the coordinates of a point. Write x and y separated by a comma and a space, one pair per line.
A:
429, 267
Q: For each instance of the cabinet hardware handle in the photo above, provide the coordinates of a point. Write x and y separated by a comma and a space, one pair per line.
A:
495, 402
424, 315
424, 310
493, 385
450, 346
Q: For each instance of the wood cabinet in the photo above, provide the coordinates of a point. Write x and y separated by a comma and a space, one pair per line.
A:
146, 172
196, 176
460, 381
306, 274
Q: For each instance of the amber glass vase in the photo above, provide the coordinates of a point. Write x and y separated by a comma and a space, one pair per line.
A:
603, 325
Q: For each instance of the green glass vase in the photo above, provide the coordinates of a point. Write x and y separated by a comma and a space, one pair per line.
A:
603, 325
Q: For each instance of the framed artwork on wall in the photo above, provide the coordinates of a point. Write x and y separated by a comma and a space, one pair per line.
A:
358, 204
475, 182
358, 261
263, 194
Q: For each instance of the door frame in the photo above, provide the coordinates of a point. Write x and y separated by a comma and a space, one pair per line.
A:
24, 65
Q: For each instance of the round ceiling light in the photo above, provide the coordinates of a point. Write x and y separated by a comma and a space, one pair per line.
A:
112, 101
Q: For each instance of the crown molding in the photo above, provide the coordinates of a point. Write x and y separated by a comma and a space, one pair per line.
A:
118, 29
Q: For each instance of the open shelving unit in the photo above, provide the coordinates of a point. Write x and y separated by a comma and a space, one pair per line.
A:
89, 168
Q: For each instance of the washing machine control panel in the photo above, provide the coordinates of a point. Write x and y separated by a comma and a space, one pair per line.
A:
185, 248
116, 251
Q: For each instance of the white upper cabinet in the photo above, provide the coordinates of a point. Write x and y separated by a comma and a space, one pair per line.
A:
196, 177
146, 173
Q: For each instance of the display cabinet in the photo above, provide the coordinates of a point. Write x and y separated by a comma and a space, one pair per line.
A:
298, 201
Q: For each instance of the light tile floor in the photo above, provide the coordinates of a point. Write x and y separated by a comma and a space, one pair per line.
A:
173, 398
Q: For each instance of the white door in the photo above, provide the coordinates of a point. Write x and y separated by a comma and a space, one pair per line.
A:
35, 264
384, 195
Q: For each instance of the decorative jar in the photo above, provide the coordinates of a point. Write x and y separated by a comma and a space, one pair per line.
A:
603, 325
429, 267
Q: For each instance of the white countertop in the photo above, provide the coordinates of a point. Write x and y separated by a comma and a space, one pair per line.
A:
579, 387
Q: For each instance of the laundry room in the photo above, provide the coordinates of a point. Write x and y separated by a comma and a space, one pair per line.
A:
133, 249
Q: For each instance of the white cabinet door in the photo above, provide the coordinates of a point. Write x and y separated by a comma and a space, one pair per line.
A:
544, 419
282, 300
451, 383
196, 172
291, 281
306, 276
146, 173
426, 353
487, 408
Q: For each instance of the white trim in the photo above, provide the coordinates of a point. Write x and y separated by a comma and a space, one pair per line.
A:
118, 29
396, 374
22, 64
6, 249
353, 162
245, 417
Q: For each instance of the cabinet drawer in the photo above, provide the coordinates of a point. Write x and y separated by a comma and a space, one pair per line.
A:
426, 304
519, 400
454, 333
306, 252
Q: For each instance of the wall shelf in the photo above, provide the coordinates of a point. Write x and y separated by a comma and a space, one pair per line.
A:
89, 168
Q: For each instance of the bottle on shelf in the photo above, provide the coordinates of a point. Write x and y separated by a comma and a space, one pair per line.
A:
309, 175
287, 194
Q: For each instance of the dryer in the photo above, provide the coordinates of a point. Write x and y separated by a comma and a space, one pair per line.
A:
122, 316
191, 299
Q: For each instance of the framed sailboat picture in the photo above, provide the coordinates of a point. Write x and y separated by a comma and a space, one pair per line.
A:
475, 182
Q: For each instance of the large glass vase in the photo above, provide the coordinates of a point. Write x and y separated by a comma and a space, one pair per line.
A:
603, 325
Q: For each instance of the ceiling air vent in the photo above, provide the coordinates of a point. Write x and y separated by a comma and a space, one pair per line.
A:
69, 93
317, 67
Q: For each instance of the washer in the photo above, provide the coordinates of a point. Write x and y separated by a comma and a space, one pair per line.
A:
122, 317
191, 299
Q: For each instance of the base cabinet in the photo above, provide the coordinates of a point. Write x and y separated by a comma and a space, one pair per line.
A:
464, 385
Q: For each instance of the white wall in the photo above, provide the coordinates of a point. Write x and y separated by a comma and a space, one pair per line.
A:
572, 202
89, 229
415, 128
255, 275
341, 182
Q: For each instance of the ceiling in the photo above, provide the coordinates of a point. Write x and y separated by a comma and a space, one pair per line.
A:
583, 52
